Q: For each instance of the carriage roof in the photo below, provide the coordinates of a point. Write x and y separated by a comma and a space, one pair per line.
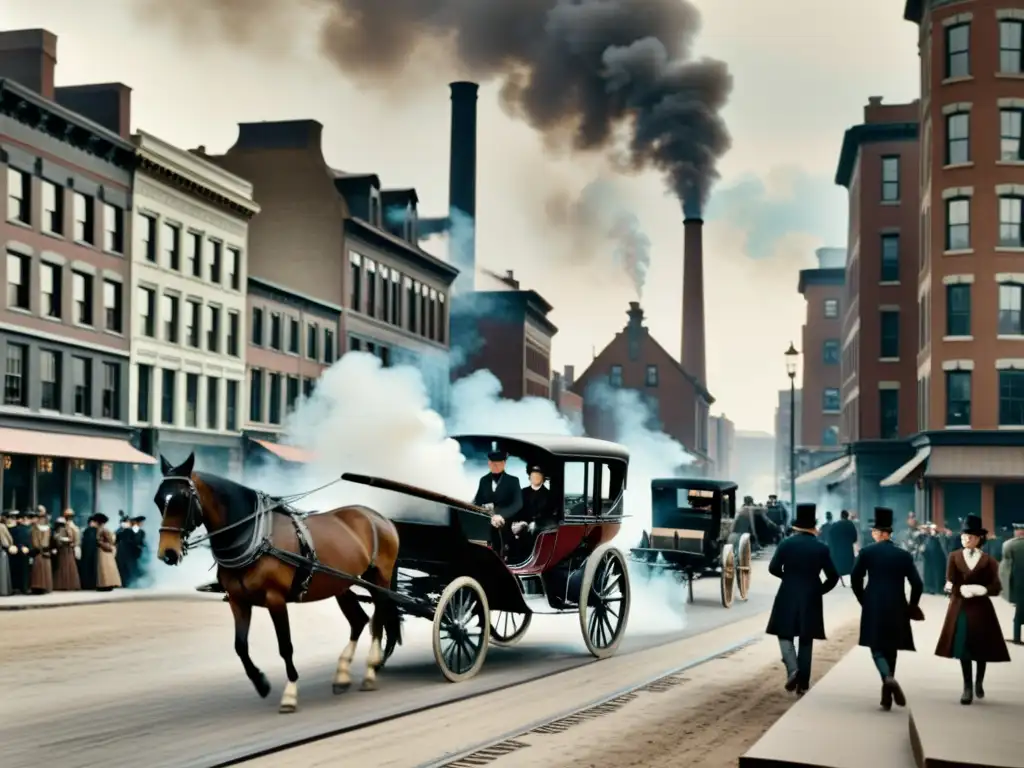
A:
560, 446
694, 484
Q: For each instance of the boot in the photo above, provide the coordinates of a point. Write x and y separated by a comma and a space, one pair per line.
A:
979, 690
886, 697
791, 682
895, 691
968, 696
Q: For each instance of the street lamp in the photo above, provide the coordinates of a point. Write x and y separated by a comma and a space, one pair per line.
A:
791, 356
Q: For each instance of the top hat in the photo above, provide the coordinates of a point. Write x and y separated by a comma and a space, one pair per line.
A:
497, 455
883, 519
973, 526
806, 517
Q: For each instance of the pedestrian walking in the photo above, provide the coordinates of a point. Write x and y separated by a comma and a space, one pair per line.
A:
42, 555
108, 575
933, 559
826, 529
797, 613
1011, 574
88, 562
7, 550
885, 611
21, 561
971, 631
124, 541
842, 542
65, 572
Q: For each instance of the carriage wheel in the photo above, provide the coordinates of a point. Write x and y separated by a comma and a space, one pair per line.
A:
728, 574
462, 629
604, 601
508, 628
744, 567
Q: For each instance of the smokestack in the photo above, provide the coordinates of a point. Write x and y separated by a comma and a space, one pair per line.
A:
692, 355
462, 177
29, 57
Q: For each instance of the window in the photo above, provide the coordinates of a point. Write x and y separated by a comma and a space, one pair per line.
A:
432, 314
308, 385
15, 391
958, 310
328, 346
231, 414
958, 50
1011, 398
112, 306
1010, 47
958, 138
191, 399
293, 335
615, 376
1011, 297
82, 373
233, 321
49, 377
18, 267
81, 285
113, 228
371, 288
889, 413
830, 435
194, 254
85, 223
147, 311
172, 246
958, 224
312, 339
167, 396
831, 308
50, 278
213, 329
256, 395
291, 393
830, 352
396, 298
53, 208
890, 325
216, 247
147, 236
193, 309
212, 402
275, 399
890, 258
19, 196
1010, 135
651, 377
169, 311
830, 400
1010, 233
442, 319
275, 330
385, 294
424, 297
111, 403
412, 289
235, 269
355, 294
958, 398
257, 327
145, 395
890, 179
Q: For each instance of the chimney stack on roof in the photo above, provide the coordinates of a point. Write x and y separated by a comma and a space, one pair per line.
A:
29, 57
462, 177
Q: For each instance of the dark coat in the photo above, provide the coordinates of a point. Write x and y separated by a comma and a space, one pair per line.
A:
125, 541
537, 506
797, 611
506, 498
841, 540
1011, 571
825, 531
934, 564
984, 635
88, 564
885, 611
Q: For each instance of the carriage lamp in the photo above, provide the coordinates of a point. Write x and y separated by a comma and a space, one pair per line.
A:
791, 356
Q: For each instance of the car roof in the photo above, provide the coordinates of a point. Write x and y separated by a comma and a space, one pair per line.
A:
565, 446
694, 483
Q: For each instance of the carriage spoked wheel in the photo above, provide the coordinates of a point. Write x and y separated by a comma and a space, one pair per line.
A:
462, 629
743, 566
604, 601
508, 628
728, 574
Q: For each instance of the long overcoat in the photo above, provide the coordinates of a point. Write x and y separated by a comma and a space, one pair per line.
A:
1011, 571
841, 540
885, 611
797, 612
984, 641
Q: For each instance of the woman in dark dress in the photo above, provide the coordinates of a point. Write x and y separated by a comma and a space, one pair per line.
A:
88, 565
971, 631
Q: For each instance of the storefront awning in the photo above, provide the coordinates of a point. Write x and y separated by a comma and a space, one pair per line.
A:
820, 473
286, 452
976, 462
846, 474
911, 470
34, 442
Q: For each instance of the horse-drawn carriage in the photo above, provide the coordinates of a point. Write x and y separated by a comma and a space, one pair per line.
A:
692, 536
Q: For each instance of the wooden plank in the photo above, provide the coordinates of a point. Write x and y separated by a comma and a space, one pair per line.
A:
684, 533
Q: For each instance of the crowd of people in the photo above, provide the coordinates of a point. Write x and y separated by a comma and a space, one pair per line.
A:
39, 555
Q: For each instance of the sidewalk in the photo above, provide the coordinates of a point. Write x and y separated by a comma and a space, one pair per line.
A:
64, 599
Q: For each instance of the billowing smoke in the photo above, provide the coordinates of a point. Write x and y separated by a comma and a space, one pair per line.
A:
613, 76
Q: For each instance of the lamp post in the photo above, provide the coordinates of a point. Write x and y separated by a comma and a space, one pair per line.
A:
791, 356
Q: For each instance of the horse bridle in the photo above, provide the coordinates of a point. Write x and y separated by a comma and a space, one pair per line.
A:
193, 515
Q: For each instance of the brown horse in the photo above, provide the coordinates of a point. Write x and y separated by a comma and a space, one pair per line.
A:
262, 549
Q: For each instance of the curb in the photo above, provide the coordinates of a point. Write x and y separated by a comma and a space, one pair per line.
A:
35, 604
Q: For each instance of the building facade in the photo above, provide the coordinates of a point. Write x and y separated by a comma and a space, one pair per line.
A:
722, 447
188, 286
64, 421
783, 435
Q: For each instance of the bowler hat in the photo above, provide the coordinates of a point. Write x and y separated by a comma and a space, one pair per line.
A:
974, 526
806, 517
883, 519
497, 456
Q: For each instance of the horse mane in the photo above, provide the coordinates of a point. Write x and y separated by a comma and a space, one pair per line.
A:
238, 500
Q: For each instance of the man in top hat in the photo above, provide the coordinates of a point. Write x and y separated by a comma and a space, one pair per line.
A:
497, 492
1011, 574
797, 612
842, 541
535, 512
885, 612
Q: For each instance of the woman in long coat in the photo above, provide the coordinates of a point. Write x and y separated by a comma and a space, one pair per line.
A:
107, 575
971, 631
41, 580
65, 576
88, 564
7, 549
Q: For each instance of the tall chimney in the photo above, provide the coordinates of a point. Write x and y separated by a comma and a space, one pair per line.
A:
462, 183
692, 355
29, 57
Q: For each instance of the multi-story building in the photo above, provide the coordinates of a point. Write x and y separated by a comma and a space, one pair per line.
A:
786, 427
64, 431
568, 403
188, 328
721, 447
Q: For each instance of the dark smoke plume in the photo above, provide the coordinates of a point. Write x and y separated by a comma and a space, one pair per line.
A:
594, 67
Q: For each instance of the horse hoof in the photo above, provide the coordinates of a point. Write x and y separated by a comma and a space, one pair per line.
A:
339, 688
368, 685
262, 686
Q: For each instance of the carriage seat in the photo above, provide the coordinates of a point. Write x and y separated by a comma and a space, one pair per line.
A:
683, 530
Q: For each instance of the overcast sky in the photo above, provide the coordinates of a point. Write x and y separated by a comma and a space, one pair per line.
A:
803, 70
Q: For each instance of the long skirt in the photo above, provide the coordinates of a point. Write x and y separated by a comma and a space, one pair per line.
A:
42, 574
6, 587
961, 648
107, 574
65, 577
